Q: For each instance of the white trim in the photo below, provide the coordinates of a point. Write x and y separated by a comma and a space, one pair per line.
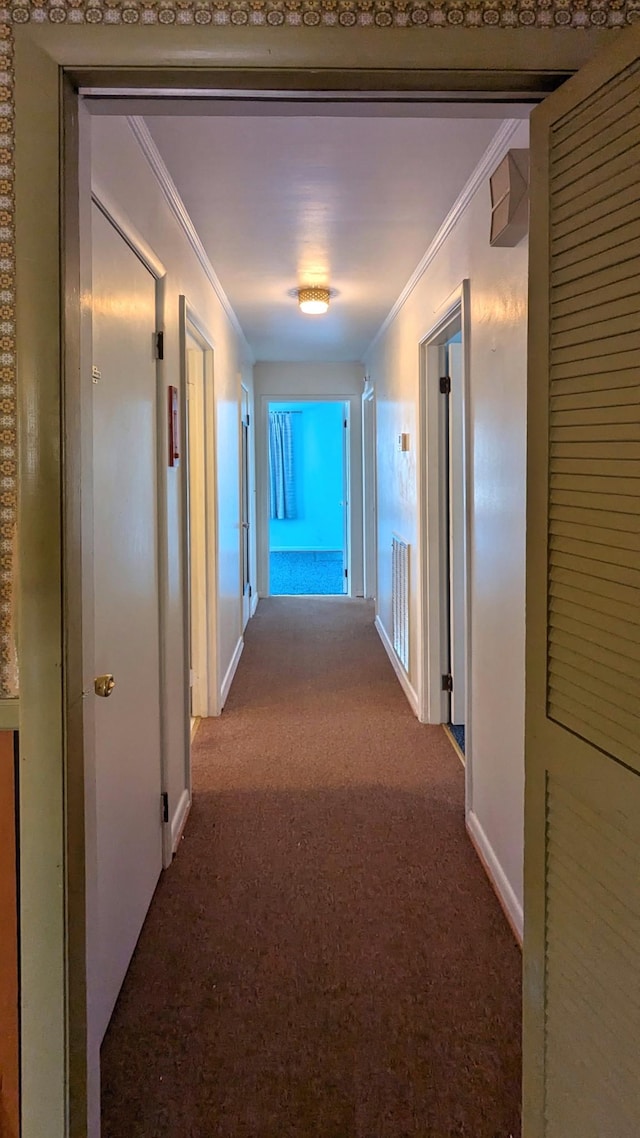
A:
127, 230
179, 210
231, 671
405, 682
496, 874
191, 324
254, 603
492, 155
179, 820
431, 545
369, 493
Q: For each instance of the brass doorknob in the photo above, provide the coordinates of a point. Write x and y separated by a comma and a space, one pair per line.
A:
104, 685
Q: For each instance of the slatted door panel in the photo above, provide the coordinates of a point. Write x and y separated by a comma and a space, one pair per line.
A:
594, 420
582, 796
593, 980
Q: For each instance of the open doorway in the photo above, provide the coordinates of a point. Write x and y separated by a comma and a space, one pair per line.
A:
452, 475
308, 499
444, 526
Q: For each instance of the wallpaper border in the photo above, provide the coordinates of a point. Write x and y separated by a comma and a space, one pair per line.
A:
8, 408
331, 13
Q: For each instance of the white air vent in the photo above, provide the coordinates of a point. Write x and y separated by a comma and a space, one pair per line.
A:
400, 599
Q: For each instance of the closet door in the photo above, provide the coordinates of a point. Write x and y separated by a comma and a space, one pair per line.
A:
582, 841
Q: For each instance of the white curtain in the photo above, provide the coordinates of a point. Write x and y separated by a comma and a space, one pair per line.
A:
282, 497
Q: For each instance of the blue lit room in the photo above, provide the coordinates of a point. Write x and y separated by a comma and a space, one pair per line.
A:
307, 498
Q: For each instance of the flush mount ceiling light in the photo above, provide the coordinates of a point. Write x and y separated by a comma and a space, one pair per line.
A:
314, 300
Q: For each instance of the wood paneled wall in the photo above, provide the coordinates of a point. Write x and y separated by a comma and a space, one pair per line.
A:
9, 1056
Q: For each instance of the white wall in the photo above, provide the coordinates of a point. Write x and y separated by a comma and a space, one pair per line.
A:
498, 294
121, 171
310, 381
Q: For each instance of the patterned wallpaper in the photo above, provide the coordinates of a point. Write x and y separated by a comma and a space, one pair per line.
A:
419, 15
341, 13
8, 430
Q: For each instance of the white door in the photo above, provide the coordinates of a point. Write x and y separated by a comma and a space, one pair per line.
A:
198, 552
582, 831
457, 535
245, 508
128, 759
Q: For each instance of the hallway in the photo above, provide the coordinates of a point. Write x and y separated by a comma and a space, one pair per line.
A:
325, 958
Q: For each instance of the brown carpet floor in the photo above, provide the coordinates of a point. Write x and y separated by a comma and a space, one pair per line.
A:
325, 957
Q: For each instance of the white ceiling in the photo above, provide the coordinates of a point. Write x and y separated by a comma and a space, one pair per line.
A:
281, 201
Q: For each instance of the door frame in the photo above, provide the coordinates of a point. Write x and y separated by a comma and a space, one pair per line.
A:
369, 494
262, 481
432, 524
51, 62
247, 487
190, 324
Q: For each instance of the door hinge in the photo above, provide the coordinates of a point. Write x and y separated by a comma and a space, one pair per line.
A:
447, 682
248, 419
164, 806
445, 385
346, 572
159, 345
250, 591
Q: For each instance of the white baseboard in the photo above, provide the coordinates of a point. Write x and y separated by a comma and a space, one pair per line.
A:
179, 820
255, 597
230, 673
405, 682
497, 877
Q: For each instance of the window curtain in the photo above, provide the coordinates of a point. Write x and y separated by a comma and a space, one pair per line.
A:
281, 483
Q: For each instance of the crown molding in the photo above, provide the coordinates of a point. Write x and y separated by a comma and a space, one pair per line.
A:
179, 210
493, 154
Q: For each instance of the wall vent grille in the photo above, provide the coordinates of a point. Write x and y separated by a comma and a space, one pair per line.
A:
400, 599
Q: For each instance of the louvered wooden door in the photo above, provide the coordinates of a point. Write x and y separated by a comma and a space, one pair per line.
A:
582, 836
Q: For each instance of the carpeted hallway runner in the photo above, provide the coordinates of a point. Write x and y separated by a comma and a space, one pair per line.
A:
325, 957
303, 572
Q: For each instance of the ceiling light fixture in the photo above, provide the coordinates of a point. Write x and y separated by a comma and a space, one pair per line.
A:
313, 300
